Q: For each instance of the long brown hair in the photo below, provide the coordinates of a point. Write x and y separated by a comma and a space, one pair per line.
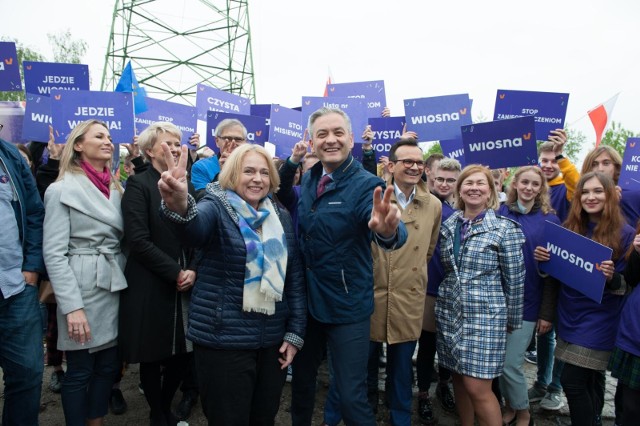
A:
616, 159
542, 200
608, 228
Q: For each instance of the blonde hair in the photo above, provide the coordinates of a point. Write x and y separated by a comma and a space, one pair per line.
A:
542, 200
149, 136
70, 158
493, 202
232, 169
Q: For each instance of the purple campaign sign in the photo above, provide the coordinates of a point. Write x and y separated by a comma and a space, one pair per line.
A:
437, 118
386, 131
549, 109
41, 77
630, 173
37, 118
575, 260
257, 130
372, 92
12, 115
502, 143
211, 99
68, 108
355, 109
182, 116
9, 68
285, 129
453, 148
261, 110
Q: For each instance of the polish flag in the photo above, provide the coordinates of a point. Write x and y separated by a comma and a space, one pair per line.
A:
326, 86
601, 115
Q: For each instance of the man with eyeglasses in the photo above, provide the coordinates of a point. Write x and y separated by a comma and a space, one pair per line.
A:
230, 133
400, 277
444, 177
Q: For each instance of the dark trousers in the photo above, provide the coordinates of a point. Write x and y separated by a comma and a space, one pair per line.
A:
349, 352
160, 380
190, 380
630, 405
239, 387
425, 361
87, 384
584, 389
54, 356
21, 357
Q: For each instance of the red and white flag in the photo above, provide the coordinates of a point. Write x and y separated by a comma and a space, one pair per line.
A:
326, 86
601, 115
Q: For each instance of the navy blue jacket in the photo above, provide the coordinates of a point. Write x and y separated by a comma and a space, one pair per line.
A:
28, 207
336, 242
216, 318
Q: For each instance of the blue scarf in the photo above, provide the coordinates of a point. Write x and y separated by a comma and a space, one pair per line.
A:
266, 263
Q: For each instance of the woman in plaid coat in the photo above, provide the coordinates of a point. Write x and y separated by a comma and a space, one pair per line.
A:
481, 297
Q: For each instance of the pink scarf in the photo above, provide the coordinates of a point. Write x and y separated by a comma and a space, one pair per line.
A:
101, 180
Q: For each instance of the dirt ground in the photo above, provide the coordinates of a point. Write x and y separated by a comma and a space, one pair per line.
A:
138, 413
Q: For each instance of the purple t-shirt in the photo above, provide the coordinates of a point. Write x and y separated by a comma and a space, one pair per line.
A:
559, 202
435, 270
589, 324
532, 225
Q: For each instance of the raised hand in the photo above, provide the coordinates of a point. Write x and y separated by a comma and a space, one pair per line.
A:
386, 112
385, 216
300, 149
173, 182
367, 134
559, 139
409, 134
55, 149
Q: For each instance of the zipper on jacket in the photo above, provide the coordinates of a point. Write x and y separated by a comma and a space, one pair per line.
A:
18, 200
344, 282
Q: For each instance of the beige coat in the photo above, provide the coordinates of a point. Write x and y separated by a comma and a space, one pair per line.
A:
400, 276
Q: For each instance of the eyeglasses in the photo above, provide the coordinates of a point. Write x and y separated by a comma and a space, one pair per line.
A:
235, 139
409, 163
450, 181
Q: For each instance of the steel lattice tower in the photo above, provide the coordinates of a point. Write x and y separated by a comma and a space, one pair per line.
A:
174, 45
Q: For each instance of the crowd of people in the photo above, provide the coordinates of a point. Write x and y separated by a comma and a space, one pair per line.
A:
221, 275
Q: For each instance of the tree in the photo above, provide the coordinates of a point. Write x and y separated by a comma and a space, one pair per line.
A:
24, 54
435, 148
616, 137
66, 49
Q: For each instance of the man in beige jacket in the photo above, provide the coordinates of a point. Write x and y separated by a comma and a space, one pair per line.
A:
400, 277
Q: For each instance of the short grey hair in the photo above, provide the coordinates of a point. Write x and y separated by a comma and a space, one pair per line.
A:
230, 122
149, 136
449, 165
326, 111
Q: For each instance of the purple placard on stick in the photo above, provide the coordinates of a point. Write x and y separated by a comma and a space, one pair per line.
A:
182, 116
9, 68
439, 117
12, 115
257, 131
354, 107
575, 260
285, 129
261, 110
502, 143
386, 131
211, 99
453, 148
372, 92
41, 77
548, 108
68, 108
630, 173
37, 118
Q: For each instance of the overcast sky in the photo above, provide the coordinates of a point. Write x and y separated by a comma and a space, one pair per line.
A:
419, 48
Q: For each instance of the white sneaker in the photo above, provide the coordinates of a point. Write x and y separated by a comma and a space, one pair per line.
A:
552, 401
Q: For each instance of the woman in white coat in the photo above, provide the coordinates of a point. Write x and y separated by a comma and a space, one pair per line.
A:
83, 228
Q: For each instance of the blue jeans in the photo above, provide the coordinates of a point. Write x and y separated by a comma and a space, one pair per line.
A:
549, 369
349, 348
87, 384
513, 383
21, 357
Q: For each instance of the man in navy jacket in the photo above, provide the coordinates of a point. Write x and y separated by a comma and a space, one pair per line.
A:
338, 217
21, 262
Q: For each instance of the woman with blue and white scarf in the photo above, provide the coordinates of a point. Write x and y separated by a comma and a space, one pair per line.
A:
247, 316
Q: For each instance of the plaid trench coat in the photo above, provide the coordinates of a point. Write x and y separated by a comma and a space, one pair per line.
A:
480, 296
